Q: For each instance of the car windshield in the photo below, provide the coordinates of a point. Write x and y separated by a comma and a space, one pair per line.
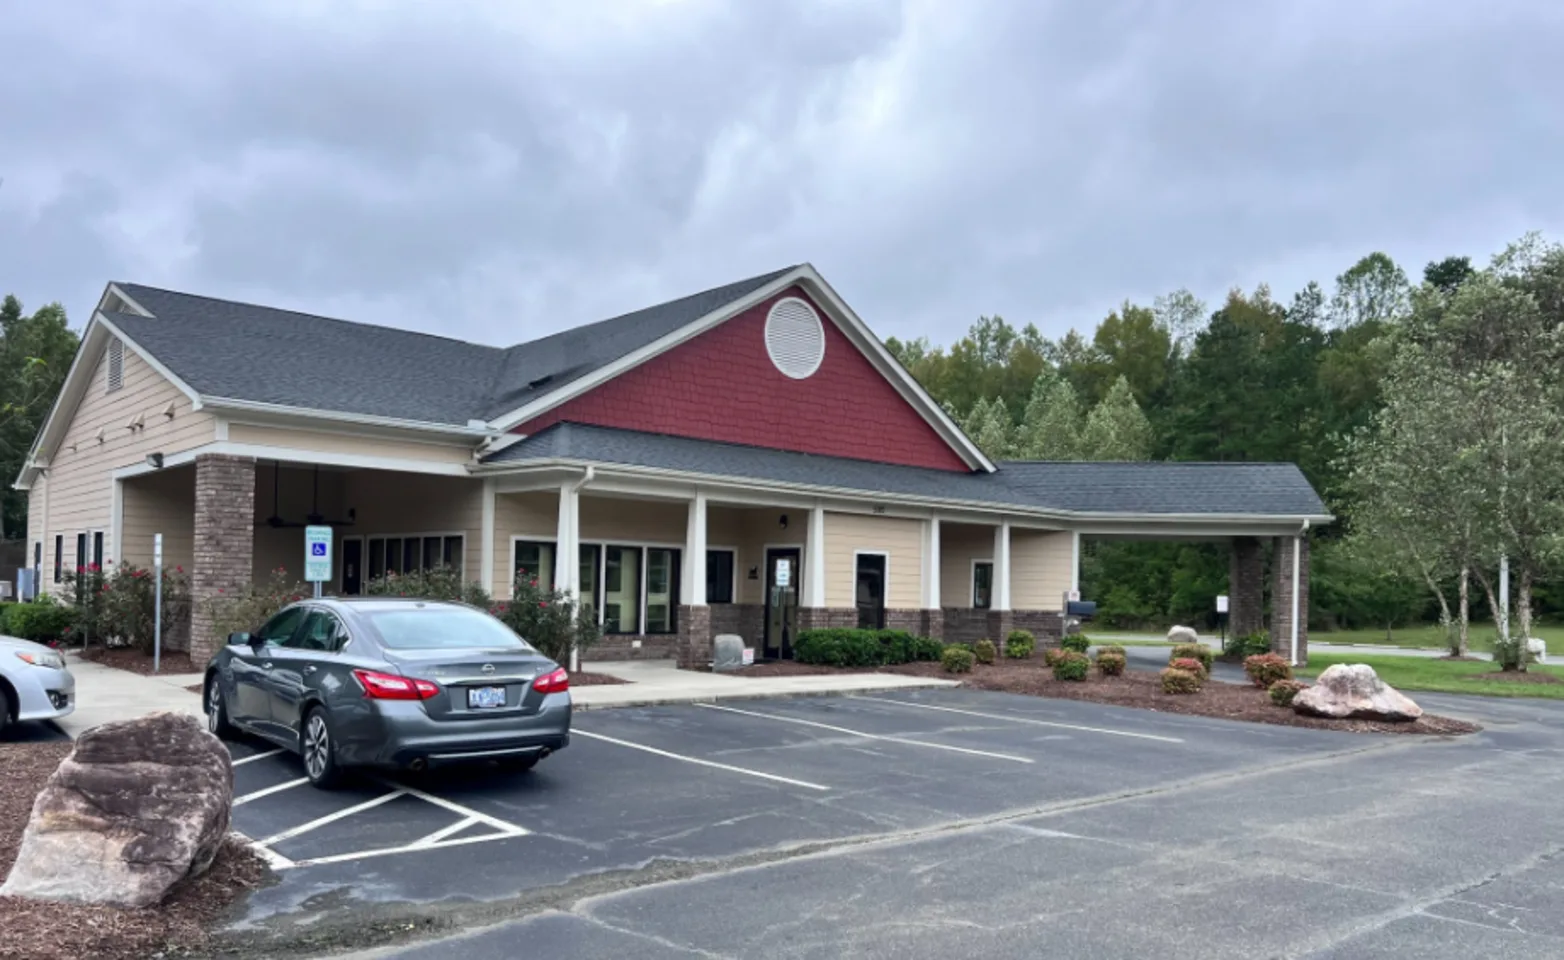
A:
426, 628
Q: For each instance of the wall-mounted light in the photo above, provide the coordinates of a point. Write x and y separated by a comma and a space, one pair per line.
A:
155, 461
782, 521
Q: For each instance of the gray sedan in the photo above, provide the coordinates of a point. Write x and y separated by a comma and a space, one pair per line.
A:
34, 683
389, 683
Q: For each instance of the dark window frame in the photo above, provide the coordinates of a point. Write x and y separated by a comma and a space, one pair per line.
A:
871, 616
639, 607
97, 549
675, 585
59, 556
81, 553
728, 590
986, 596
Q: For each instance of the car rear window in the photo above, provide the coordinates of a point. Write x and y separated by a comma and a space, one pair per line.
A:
422, 628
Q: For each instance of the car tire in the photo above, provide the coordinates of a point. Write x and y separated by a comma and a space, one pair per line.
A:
8, 709
217, 722
318, 750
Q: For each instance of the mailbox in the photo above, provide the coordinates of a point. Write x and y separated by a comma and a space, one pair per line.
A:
1080, 609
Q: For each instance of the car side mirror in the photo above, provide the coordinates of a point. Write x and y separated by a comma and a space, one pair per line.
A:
236, 639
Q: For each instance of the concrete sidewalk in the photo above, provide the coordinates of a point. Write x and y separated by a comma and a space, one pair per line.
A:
105, 694
660, 681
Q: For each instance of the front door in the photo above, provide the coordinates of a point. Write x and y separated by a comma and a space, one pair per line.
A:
352, 567
783, 571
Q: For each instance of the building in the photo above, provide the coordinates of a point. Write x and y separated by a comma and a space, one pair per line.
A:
746, 460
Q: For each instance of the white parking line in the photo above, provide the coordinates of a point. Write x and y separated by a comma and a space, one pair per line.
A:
1040, 723
868, 736
419, 847
578, 732
273, 859
444, 832
468, 812
304, 828
256, 756
241, 801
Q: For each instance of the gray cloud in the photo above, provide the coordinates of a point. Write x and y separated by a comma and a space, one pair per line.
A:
501, 170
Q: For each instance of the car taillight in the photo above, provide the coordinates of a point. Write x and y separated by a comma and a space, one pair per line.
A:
389, 686
556, 682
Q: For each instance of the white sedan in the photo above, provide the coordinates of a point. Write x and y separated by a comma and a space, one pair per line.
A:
34, 684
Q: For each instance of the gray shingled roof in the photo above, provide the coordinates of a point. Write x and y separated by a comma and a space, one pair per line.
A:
242, 351
1168, 487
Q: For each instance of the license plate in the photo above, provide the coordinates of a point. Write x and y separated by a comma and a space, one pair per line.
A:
485, 698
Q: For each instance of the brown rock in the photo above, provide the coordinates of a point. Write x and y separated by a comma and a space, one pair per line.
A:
1354, 692
136, 807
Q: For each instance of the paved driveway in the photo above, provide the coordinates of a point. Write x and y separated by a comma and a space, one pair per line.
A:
942, 823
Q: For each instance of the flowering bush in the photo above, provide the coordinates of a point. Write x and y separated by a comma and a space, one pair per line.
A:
117, 605
1020, 644
439, 583
1111, 648
245, 610
1111, 664
1189, 664
1180, 681
1267, 668
1077, 642
547, 618
1071, 665
1193, 651
1283, 691
1051, 655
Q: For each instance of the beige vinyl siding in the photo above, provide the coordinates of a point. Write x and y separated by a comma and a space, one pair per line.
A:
1039, 569
634, 521
532, 516
749, 531
960, 544
36, 498
327, 441
390, 503
162, 502
81, 481
900, 539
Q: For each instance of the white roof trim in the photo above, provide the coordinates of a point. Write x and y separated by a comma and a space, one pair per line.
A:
117, 291
365, 419
846, 321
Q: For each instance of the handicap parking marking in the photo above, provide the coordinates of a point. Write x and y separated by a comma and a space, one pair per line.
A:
319, 822
744, 771
268, 791
1016, 719
868, 736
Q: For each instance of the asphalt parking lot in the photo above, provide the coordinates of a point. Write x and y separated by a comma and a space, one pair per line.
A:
938, 823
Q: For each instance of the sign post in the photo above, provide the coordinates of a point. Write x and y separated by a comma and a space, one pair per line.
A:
157, 602
317, 556
1221, 614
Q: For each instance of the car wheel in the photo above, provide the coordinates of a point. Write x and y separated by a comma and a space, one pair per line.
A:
217, 711
319, 750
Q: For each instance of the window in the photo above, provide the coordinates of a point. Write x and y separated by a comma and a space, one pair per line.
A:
407, 554
430, 628
622, 590
116, 372
719, 576
280, 629
870, 592
81, 552
591, 590
535, 559
322, 633
97, 549
59, 555
982, 584
662, 589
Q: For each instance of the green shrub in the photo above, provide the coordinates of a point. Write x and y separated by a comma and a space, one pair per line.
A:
1020, 644
4, 606
1283, 691
1180, 681
1193, 651
1079, 643
1191, 665
244, 611
45, 620
957, 659
1112, 648
1241, 648
547, 618
1266, 668
985, 651
926, 649
1111, 664
1071, 665
844, 647
440, 583
1051, 655
1507, 652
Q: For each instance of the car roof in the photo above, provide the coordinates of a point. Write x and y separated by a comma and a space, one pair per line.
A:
371, 604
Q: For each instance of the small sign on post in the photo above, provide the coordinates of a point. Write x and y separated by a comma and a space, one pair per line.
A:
1221, 603
157, 602
784, 572
317, 555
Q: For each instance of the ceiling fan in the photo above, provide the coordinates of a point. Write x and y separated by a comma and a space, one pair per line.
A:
315, 518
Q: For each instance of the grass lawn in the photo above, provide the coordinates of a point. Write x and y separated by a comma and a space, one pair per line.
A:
1443, 676
1430, 636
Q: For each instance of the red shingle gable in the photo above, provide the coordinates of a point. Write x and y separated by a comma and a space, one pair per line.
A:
722, 385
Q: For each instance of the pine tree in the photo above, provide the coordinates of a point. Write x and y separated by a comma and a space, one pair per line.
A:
1052, 426
1117, 429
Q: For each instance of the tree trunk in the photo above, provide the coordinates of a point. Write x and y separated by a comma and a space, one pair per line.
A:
1523, 612
1463, 626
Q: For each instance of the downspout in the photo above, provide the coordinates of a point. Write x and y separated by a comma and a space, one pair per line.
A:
1297, 552
574, 576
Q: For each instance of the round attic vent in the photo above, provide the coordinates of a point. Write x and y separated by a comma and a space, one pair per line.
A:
795, 338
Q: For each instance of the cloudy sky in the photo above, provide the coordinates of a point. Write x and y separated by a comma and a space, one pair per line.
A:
499, 170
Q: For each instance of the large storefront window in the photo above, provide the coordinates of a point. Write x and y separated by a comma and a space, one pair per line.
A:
662, 590
622, 590
871, 590
719, 576
982, 585
413, 552
536, 560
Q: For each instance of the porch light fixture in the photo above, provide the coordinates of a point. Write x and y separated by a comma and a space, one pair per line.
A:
155, 461
782, 521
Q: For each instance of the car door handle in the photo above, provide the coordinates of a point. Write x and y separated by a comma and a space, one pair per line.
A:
267, 665
308, 670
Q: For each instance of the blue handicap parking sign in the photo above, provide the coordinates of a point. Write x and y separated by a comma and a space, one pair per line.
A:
318, 549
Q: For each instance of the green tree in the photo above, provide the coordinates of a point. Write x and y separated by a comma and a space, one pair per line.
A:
1133, 345
35, 355
1448, 274
1053, 421
1373, 290
1117, 429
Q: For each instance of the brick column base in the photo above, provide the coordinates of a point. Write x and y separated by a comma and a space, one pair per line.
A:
1000, 623
825, 618
224, 543
693, 650
1246, 588
1281, 598
933, 624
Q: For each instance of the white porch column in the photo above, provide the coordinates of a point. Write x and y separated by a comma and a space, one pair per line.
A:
567, 551
931, 564
1001, 600
1075, 562
486, 539
692, 591
814, 560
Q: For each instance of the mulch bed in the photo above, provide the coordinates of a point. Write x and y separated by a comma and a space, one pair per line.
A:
129, 658
582, 678
47, 930
1136, 688
1515, 676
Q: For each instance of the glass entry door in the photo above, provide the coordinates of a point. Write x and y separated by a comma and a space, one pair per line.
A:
783, 572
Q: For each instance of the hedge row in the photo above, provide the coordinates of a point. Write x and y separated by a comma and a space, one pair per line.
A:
839, 647
40, 622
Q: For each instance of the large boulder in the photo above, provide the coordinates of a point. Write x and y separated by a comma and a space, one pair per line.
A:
1183, 634
136, 807
1353, 691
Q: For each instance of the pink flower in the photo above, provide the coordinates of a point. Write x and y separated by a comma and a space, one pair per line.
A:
542, 603
179, 569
